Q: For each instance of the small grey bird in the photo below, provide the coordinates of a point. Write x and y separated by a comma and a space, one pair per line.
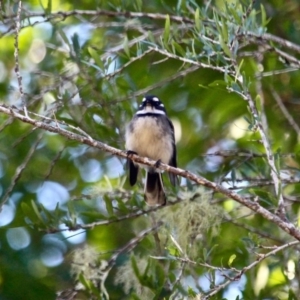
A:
151, 134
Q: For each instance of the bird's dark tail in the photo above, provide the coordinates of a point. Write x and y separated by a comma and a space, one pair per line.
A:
154, 189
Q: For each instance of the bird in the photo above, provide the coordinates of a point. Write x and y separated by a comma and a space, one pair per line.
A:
150, 133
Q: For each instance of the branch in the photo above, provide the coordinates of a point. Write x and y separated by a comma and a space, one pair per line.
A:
122, 218
224, 70
96, 13
19, 171
16, 55
270, 157
285, 112
254, 206
272, 38
259, 258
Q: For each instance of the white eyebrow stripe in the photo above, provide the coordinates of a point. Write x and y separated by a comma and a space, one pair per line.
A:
155, 99
144, 99
161, 105
155, 112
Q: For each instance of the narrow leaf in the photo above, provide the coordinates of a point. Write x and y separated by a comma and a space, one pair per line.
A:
76, 45
94, 54
231, 259
176, 244
109, 206
263, 15
197, 19
167, 30
49, 7
178, 48
126, 46
135, 267
37, 212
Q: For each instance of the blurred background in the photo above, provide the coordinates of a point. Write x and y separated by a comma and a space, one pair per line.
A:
90, 70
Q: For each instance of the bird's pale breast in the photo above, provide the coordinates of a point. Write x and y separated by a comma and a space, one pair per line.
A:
148, 139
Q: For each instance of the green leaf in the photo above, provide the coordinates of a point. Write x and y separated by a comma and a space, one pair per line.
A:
292, 295
160, 276
30, 214
94, 54
218, 83
76, 45
224, 46
63, 36
206, 253
264, 196
277, 160
178, 48
83, 281
191, 293
135, 267
231, 259
197, 19
37, 212
89, 286
264, 21
236, 87
126, 47
49, 7
151, 38
239, 70
134, 296
224, 30
138, 4
167, 30
122, 206
108, 205
72, 213
233, 12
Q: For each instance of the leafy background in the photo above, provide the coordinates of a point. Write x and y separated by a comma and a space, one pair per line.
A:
85, 66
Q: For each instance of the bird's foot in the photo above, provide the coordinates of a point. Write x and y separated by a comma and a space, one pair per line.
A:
157, 164
130, 153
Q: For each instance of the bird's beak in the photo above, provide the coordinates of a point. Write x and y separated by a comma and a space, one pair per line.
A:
149, 106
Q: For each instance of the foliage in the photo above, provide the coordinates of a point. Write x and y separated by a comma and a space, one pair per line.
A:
72, 73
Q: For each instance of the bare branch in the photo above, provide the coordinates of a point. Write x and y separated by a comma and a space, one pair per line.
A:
16, 54
267, 37
194, 62
283, 224
96, 13
285, 112
19, 170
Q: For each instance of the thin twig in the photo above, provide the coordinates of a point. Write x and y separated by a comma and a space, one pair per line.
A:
16, 55
126, 14
270, 157
225, 70
285, 112
53, 162
19, 170
267, 37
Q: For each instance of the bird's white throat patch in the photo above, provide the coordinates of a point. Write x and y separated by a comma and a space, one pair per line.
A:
149, 109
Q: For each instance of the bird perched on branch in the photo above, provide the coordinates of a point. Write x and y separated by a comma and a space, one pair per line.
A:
151, 134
